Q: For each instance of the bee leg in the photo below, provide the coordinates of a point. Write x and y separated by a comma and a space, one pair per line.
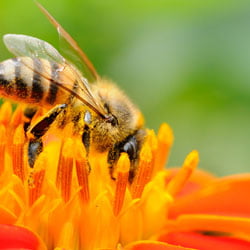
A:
37, 130
86, 138
131, 147
86, 142
35, 147
113, 156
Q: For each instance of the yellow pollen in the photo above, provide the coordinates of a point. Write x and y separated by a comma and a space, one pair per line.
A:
64, 172
5, 113
144, 171
165, 141
178, 181
2, 146
123, 166
17, 153
35, 190
82, 171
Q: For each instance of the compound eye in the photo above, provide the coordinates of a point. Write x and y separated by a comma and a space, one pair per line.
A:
130, 147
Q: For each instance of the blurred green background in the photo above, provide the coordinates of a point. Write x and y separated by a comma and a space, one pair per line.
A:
182, 62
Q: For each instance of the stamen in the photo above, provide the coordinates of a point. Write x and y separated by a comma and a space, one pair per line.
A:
2, 147
5, 113
67, 236
82, 171
66, 133
64, 174
153, 143
165, 141
123, 166
178, 181
59, 168
35, 190
144, 171
17, 153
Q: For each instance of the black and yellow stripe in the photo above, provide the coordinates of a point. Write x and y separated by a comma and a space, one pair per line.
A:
53, 88
3, 82
36, 81
37, 90
6, 85
19, 85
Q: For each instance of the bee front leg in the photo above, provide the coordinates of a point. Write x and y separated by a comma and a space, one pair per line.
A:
37, 130
130, 146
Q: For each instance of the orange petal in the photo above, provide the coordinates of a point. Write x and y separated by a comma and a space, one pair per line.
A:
205, 242
177, 183
197, 180
6, 216
211, 223
14, 237
226, 196
154, 245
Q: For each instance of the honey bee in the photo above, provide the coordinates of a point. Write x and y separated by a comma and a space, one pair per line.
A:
101, 114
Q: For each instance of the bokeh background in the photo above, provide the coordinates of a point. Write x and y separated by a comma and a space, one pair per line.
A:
183, 62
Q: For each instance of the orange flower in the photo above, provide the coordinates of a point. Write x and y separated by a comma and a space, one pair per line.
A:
64, 205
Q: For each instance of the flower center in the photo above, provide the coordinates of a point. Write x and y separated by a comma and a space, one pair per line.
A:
69, 194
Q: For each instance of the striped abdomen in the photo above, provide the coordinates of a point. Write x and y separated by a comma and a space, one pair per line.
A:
33, 80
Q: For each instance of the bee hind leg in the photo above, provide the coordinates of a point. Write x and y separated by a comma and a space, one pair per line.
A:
37, 130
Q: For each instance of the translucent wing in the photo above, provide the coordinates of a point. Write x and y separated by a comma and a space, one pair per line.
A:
78, 56
22, 45
27, 46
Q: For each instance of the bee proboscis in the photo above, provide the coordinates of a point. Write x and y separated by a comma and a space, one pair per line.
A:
100, 113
